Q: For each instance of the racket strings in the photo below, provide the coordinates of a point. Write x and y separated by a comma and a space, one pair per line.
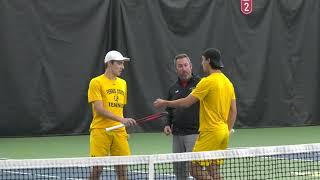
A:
151, 117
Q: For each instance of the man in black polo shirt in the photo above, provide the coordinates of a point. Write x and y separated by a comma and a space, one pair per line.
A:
183, 123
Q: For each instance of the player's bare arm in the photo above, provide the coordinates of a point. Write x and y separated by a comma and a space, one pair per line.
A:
98, 106
232, 114
182, 103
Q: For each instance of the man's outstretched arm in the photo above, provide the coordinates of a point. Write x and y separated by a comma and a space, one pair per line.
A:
179, 103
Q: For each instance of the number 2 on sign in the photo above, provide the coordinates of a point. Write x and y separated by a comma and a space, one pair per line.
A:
246, 6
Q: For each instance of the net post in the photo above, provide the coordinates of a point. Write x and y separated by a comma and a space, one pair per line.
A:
151, 167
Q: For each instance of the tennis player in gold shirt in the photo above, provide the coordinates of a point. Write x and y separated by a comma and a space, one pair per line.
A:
217, 112
108, 95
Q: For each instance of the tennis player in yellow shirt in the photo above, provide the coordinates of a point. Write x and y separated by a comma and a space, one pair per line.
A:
218, 112
108, 95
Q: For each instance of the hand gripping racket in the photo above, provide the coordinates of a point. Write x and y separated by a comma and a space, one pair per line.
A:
141, 120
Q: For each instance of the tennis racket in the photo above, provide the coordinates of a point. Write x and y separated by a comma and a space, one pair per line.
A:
141, 120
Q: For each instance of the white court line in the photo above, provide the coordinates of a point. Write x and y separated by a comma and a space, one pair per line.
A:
59, 177
307, 173
39, 175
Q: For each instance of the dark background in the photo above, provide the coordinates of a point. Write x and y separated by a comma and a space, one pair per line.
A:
49, 51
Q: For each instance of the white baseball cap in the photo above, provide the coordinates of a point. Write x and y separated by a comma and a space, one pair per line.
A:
115, 56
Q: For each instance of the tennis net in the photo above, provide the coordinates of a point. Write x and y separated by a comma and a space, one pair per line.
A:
271, 162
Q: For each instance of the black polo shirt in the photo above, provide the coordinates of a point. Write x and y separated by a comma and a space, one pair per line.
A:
184, 121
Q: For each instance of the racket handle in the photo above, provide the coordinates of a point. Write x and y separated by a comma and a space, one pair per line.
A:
115, 127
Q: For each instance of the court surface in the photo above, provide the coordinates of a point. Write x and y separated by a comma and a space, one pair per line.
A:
148, 143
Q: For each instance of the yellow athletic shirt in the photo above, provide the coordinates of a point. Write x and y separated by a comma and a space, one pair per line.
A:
215, 93
113, 94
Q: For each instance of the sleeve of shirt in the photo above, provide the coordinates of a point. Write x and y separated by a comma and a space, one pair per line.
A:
94, 93
233, 93
125, 92
201, 90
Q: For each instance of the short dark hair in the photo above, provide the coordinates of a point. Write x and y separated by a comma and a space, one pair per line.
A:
215, 58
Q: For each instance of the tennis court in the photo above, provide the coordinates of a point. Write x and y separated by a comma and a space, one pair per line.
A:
51, 50
273, 162
270, 162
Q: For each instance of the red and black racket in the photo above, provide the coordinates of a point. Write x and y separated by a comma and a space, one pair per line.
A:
141, 120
